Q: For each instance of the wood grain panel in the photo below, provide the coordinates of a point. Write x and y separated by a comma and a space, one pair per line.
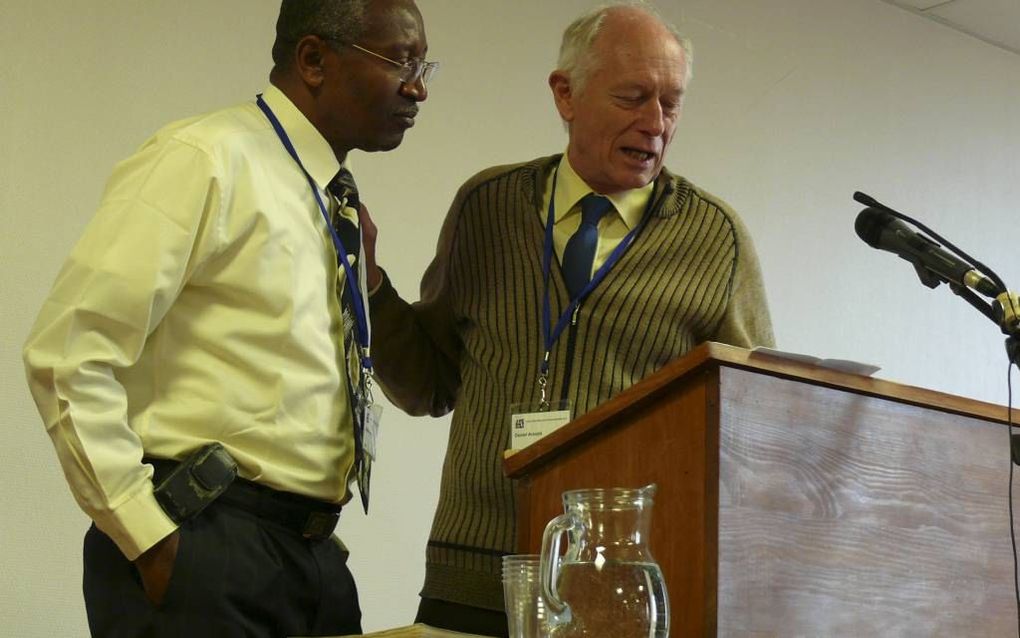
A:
846, 515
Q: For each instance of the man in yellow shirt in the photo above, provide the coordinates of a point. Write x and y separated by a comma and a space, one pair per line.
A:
197, 330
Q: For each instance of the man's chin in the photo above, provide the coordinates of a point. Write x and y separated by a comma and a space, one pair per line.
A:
384, 144
646, 177
634, 181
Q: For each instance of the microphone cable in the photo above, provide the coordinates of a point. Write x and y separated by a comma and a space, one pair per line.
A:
1012, 527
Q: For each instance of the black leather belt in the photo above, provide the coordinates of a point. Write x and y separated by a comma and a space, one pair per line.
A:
308, 517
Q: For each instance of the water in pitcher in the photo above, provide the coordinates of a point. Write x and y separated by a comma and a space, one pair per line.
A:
633, 607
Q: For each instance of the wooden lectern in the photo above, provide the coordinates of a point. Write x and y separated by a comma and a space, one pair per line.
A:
796, 500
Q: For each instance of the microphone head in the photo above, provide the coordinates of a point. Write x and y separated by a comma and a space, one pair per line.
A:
870, 223
867, 200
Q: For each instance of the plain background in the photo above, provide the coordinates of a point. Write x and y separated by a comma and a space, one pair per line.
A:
795, 104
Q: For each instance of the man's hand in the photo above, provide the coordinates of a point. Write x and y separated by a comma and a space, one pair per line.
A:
368, 236
156, 565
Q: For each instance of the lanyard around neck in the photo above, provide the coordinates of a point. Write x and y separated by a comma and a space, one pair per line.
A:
363, 328
550, 333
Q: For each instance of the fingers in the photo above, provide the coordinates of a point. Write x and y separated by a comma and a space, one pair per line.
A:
367, 225
156, 565
369, 234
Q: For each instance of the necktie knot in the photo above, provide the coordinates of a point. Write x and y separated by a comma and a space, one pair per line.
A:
593, 208
345, 189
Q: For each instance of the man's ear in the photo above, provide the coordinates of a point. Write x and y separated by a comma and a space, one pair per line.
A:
563, 94
310, 59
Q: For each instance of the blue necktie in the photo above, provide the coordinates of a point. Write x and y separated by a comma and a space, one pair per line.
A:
579, 254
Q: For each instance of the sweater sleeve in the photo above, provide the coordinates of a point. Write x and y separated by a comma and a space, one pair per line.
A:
746, 322
416, 348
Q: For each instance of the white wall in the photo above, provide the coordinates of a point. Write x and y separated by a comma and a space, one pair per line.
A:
795, 104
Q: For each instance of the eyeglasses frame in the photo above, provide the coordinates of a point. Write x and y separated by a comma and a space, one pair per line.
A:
425, 70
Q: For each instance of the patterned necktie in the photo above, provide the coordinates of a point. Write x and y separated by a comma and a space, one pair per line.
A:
579, 253
346, 191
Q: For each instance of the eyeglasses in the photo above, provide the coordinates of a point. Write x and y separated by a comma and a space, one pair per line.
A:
411, 70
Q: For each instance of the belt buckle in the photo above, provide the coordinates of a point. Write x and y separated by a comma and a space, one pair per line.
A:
320, 525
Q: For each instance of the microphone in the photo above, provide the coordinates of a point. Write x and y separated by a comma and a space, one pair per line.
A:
881, 230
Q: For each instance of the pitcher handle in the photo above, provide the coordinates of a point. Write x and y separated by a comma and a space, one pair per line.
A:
549, 563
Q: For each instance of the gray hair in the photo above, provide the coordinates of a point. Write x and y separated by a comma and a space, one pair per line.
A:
339, 21
577, 59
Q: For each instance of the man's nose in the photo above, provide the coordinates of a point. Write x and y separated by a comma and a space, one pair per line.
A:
652, 121
416, 90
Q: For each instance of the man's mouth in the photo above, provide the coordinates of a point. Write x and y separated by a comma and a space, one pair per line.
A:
639, 155
407, 117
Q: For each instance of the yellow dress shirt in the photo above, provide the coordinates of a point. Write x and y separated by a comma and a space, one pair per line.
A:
570, 188
199, 305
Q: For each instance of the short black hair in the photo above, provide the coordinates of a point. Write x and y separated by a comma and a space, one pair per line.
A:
339, 21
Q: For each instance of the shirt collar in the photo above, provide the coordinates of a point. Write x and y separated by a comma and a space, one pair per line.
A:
570, 188
313, 149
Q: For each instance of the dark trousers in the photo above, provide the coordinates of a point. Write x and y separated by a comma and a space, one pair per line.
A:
456, 617
235, 576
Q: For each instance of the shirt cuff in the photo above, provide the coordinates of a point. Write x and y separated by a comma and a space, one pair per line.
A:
137, 524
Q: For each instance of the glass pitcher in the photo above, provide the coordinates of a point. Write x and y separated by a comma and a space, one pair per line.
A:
606, 583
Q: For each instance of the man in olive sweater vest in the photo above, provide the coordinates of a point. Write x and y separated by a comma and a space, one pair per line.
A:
664, 267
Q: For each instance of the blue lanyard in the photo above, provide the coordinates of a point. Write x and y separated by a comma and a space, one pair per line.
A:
360, 316
569, 315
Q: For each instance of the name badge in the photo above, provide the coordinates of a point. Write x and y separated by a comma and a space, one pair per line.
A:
373, 416
529, 425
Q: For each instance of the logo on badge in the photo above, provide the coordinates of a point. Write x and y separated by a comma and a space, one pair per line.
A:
519, 424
